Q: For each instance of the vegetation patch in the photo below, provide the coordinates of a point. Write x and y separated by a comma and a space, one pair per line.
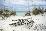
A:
7, 13
37, 11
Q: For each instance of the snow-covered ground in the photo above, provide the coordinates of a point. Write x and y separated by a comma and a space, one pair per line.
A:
38, 19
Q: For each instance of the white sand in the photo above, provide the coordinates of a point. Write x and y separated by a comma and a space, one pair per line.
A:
38, 19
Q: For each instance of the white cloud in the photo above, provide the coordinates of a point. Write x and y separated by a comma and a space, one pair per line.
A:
23, 2
15, 1
38, 0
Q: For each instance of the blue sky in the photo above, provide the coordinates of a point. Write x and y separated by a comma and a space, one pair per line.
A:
21, 5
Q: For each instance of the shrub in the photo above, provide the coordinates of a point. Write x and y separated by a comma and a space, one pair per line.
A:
28, 13
37, 11
7, 13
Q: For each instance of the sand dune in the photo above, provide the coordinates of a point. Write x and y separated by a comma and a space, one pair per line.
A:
38, 20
